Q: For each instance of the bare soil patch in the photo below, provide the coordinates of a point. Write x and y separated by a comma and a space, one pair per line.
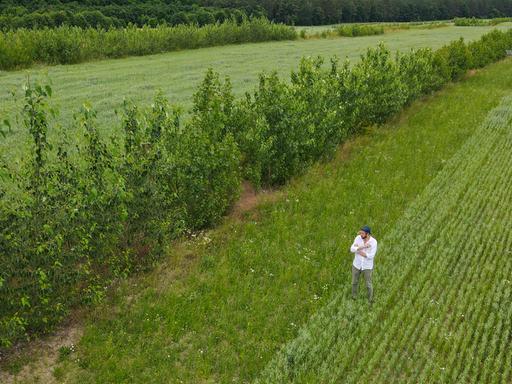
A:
39, 357
250, 198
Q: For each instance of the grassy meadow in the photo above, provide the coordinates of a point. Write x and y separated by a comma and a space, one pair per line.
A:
221, 306
105, 84
438, 269
264, 296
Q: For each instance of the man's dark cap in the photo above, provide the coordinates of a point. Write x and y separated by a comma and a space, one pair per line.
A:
366, 229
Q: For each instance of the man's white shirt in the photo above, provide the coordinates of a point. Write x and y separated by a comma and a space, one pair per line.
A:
361, 262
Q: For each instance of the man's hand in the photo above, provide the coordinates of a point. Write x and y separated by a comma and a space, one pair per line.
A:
366, 246
362, 253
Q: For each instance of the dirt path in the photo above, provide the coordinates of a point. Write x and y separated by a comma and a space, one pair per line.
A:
39, 357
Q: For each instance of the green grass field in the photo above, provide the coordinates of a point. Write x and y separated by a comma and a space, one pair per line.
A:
106, 83
221, 308
265, 296
444, 281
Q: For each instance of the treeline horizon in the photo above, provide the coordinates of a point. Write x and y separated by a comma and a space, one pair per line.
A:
118, 13
115, 14
316, 12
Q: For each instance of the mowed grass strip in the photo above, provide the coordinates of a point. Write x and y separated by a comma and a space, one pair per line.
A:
105, 84
220, 307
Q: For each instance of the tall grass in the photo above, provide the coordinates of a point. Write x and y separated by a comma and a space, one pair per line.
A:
470, 189
68, 45
367, 29
354, 30
473, 21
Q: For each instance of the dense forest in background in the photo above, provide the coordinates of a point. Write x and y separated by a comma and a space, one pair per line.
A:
117, 13
308, 12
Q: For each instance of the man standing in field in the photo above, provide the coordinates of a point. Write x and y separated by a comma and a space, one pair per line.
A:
364, 248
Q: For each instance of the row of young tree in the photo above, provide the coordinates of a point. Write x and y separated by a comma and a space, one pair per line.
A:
474, 22
30, 14
22, 48
79, 212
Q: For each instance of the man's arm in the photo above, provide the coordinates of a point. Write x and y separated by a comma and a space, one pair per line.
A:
358, 249
371, 252
354, 248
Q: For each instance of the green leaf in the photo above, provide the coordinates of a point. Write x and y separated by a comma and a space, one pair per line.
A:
25, 302
48, 90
